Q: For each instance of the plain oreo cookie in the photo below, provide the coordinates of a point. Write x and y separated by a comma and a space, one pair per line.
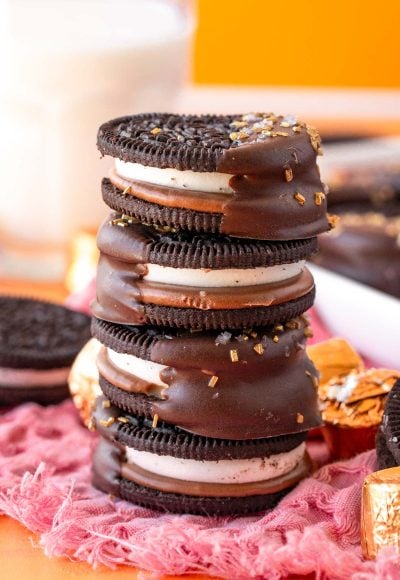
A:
388, 436
38, 343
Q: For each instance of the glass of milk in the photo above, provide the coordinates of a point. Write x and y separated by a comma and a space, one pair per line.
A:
66, 66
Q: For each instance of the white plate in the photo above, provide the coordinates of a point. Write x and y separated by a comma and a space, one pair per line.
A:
367, 318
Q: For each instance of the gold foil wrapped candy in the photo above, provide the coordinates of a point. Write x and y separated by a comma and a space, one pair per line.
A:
357, 400
334, 358
83, 380
352, 408
380, 512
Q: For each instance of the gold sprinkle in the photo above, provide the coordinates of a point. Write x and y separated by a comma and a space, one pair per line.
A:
288, 174
107, 422
106, 404
155, 131
308, 333
333, 220
123, 420
119, 222
276, 338
278, 327
300, 198
292, 324
299, 418
259, 348
319, 197
92, 424
234, 136
213, 381
282, 134
234, 355
315, 139
126, 190
155, 421
285, 124
239, 124
296, 129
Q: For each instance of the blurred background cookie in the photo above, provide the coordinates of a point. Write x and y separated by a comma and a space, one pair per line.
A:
38, 343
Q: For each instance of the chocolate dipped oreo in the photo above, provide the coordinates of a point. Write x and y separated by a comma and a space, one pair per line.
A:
252, 176
388, 437
242, 385
196, 474
38, 343
147, 276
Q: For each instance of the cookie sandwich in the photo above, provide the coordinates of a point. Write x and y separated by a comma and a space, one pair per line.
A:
38, 343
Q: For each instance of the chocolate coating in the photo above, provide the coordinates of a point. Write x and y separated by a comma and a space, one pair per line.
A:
269, 170
259, 396
365, 248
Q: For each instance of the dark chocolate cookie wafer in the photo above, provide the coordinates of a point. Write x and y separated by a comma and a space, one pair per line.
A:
252, 176
38, 342
390, 427
229, 385
118, 467
140, 433
174, 279
130, 241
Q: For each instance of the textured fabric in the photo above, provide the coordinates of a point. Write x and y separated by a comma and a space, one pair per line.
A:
45, 484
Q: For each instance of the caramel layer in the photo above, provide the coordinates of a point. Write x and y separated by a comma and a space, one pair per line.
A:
203, 201
226, 298
140, 476
124, 380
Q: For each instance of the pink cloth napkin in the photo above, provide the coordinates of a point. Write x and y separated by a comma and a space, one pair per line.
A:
45, 457
45, 484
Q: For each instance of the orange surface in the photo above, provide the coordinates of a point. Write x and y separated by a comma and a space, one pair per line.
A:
339, 43
22, 559
56, 292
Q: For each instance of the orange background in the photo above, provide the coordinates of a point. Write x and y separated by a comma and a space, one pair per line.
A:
298, 42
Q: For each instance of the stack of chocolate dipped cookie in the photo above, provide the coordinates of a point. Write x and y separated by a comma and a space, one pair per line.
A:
201, 286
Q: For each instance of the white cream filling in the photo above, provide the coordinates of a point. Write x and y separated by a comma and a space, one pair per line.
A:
143, 369
229, 277
211, 182
223, 471
33, 378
